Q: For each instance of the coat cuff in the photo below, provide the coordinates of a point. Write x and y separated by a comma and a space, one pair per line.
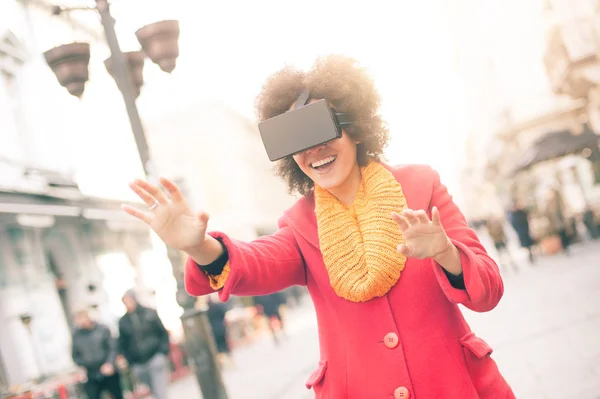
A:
453, 293
215, 268
224, 282
200, 281
218, 281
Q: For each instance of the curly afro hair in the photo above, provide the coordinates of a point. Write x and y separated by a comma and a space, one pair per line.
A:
348, 88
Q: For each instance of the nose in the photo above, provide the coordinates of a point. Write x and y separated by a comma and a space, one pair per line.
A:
316, 148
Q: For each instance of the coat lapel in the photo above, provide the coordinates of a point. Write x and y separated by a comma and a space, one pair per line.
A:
301, 218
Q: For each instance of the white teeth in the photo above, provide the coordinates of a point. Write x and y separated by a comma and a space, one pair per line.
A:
322, 162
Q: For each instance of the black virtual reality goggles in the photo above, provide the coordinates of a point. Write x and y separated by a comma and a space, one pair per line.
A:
302, 127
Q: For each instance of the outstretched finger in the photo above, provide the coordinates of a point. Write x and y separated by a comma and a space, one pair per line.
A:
402, 224
172, 189
143, 216
435, 215
404, 250
156, 192
143, 194
410, 216
422, 216
203, 217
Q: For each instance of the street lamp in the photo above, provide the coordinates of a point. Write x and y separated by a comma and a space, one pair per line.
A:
69, 63
135, 61
159, 41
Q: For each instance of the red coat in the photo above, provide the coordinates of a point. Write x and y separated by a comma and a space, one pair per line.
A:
413, 342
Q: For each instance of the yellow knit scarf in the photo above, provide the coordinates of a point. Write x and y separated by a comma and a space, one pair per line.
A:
359, 242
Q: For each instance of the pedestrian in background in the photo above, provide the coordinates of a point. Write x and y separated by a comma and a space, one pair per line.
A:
271, 308
144, 342
95, 350
519, 219
556, 212
495, 228
216, 313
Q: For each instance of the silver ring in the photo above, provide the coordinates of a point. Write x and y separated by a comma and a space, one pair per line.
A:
154, 206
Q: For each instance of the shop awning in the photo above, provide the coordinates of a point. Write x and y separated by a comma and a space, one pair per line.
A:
557, 144
14, 204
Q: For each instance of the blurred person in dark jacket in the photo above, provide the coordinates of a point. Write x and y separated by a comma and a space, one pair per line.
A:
95, 350
495, 229
144, 342
270, 305
216, 313
556, 212
519, 219
295, 294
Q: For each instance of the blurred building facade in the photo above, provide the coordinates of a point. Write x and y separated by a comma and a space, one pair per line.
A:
526, 92
52, 234
64, 168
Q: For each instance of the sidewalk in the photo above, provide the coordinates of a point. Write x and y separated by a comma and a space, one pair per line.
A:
266, 371
546, 330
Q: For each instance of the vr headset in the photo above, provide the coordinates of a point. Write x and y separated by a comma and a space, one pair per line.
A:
301, 128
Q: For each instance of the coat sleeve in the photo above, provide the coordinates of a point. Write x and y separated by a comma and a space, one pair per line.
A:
263, 266
483, 283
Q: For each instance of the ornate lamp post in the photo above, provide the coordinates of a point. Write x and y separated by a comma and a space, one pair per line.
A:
159, 41
135, 62
69, 63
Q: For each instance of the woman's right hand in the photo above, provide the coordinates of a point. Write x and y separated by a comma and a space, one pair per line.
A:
171, 218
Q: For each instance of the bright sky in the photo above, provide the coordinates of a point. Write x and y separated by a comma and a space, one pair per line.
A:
228, 49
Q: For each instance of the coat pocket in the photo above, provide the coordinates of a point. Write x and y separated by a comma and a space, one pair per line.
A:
481, 368
476, 345
315, 380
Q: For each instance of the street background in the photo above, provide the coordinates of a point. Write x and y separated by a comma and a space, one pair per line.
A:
502, 98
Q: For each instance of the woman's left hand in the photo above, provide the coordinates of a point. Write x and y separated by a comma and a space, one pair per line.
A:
424, 238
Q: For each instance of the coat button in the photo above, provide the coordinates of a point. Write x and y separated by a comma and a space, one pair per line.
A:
391, 340
401, 393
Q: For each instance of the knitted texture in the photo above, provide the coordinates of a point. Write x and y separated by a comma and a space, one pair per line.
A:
217, 282
359, 242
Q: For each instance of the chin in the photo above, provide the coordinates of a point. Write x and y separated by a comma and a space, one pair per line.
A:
327, 183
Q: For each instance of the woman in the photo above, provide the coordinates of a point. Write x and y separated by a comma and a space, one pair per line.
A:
384, 252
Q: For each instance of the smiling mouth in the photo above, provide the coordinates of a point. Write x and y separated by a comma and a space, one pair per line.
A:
323, 163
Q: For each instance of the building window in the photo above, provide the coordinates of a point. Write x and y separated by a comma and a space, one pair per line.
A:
12, 55
21, 243
12, 59
11, 89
